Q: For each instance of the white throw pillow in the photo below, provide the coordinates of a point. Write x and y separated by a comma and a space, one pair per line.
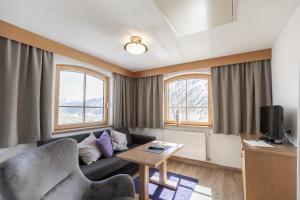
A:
88, 150
119, 140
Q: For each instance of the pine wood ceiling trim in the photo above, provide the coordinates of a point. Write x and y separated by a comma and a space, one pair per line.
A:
21, 35
208, 63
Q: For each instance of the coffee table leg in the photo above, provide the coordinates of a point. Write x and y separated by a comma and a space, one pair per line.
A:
162, 179
144, 180
163, 172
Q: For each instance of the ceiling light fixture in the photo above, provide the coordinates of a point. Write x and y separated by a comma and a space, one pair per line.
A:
135, 46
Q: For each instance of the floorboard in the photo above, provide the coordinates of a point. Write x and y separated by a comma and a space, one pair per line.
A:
214, 184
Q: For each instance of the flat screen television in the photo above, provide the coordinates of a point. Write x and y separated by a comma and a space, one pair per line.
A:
271, 123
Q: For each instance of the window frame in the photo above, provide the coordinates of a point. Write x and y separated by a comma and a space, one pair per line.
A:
166, 103
79, 126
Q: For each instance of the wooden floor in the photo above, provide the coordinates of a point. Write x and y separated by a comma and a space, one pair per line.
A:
214, 183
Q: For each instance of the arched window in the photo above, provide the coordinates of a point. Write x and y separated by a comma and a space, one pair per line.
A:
81, 98
188, 100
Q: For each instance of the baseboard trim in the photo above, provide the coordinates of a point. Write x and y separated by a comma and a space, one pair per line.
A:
204, 163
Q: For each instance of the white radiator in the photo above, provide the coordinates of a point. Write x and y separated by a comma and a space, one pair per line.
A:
194, 143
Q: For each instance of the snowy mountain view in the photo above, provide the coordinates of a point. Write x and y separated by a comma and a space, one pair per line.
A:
73, 112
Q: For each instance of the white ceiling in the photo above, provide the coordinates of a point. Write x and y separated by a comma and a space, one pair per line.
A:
102, 27
188, 17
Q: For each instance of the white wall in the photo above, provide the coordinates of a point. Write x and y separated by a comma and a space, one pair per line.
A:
298, 151
225, 150
285, 72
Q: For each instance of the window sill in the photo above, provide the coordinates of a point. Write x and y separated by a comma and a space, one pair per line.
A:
69, 130
189, 125
192, 128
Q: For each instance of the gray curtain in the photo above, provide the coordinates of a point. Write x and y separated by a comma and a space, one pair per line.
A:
124, 101
138, 101
26, 75
238, 92
149, 101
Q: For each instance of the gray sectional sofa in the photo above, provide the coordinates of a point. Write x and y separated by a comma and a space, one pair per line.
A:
107, 167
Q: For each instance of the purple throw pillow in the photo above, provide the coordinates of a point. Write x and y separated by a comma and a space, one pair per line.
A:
105, 145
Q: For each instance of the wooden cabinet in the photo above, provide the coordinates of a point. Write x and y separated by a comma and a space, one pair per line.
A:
268, 173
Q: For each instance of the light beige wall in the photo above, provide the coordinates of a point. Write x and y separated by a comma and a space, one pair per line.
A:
286, 73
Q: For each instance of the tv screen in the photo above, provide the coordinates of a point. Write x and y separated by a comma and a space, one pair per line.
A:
271, 122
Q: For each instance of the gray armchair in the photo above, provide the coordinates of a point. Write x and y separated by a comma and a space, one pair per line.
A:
51, 172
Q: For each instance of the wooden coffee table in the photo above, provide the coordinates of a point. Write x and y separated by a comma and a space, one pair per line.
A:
147, 159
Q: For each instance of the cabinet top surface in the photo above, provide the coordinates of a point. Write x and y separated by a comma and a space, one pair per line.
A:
285, 149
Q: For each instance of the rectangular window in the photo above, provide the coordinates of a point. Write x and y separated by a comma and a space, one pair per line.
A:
188, 100
81, 98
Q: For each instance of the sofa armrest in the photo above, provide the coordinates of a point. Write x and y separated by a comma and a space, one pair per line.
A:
142, 139
117, 187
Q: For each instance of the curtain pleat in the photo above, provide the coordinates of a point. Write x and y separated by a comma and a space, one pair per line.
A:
123, 101
25, 93
238, 92
137, 101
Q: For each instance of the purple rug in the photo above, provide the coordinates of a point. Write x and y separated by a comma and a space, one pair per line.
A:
186, 186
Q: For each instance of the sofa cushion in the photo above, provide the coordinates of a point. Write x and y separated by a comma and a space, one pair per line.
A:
105, 145
102, 167
88, 150
125, 130
119, 140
